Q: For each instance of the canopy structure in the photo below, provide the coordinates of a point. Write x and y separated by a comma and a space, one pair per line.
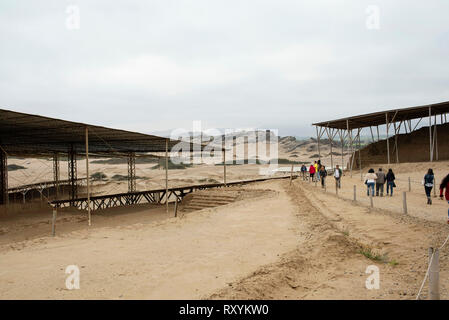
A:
349, 129
390, 116
25, 134
28, 135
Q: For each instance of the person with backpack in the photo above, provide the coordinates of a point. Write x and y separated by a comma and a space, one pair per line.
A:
323, 175
370, 181
390, 182
304, 172
428, 184
445, 185
380, 181
337, 175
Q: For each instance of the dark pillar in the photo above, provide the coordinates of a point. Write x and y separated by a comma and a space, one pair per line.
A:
72, 174
131, 172
3, 178
56, 175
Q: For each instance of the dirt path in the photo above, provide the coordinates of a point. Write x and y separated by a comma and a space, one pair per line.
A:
170, 259
330, 265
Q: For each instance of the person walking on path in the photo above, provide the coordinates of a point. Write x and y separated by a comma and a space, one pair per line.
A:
428, 184
317, 170
312, 171
445, 185
304, 172
380, 181
337, 175
323, 175
390, 182
370, 181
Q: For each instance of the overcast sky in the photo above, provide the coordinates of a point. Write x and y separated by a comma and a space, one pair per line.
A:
156, 65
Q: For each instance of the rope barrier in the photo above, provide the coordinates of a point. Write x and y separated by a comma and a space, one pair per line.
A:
428, 269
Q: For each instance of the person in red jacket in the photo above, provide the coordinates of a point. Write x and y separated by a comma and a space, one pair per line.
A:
312, 172
445, 185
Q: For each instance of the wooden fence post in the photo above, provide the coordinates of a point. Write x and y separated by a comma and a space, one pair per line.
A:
176, 207
291, 175
434, 276
355, 193
53, 222
404, 202
409, 185
434, 187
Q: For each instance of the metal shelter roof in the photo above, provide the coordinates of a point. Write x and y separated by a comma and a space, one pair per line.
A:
379, 118
34, 135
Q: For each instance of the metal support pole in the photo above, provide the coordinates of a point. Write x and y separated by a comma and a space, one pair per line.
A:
56, 174
72, 174
318, 135
166, 175
436, 138
434, 276
131, 172
88, 177
430, 134
330, 135
388, 143
396, 132
342, 140
4, 197
350, 144
360, 157
224, 167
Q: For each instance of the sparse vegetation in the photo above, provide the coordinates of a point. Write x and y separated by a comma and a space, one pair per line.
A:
98, 176
393, 262
139, 160
208, 180
120, 177
171, 165
370, 254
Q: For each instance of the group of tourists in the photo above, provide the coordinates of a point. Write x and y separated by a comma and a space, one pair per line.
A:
318, 172
377, 180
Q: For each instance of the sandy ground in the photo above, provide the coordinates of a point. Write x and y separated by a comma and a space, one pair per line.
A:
172, 258
286, 241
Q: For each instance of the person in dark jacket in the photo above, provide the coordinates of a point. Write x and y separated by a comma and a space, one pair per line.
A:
323, 175
445, 185
380, 181
304, 172
390, 182
428, 184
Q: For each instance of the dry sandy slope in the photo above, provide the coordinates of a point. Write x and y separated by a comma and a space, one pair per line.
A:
329, 265
176, 258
